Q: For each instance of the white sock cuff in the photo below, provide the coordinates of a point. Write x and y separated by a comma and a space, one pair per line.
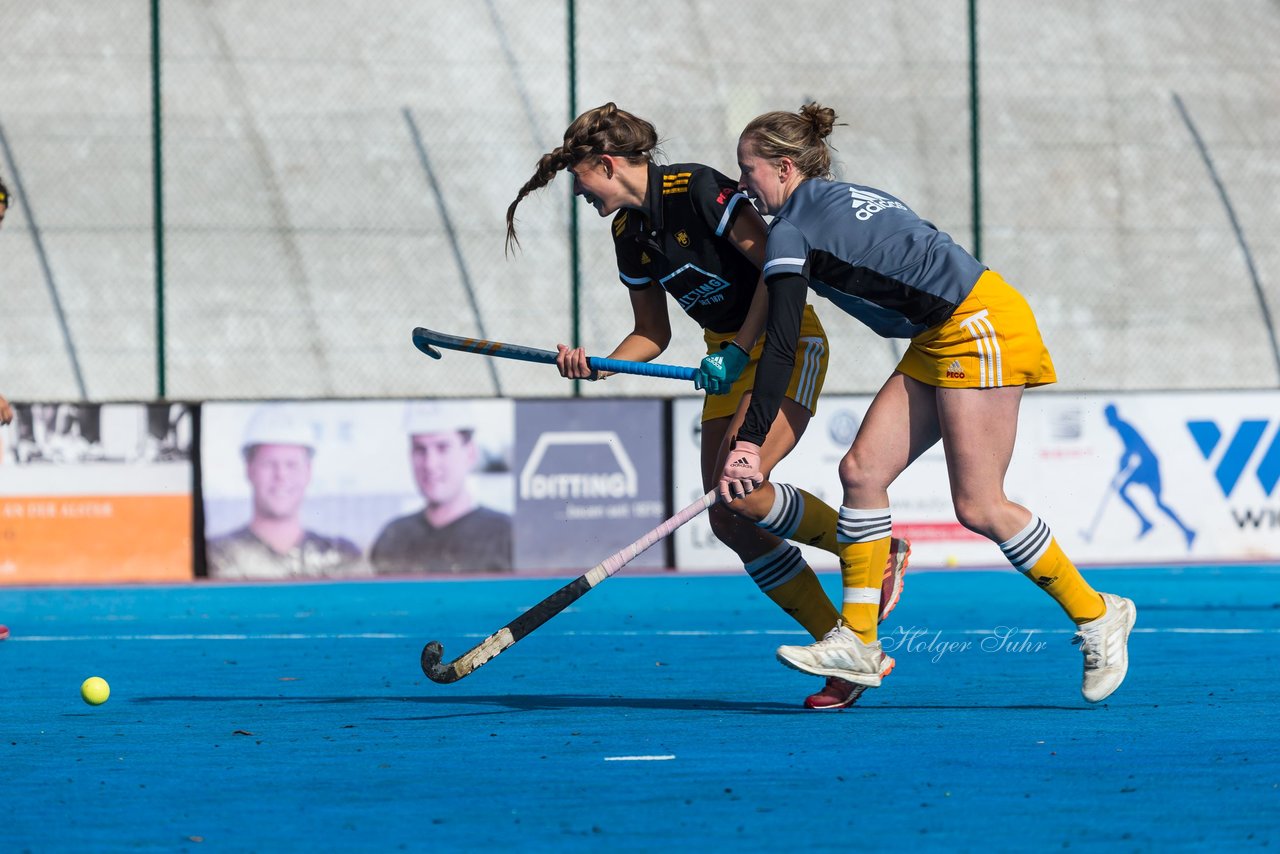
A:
863, 526
1028, 545
776, 567
785, 514
862, 595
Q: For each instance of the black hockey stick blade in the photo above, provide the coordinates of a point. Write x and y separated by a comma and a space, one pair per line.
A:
437, 672
506, 637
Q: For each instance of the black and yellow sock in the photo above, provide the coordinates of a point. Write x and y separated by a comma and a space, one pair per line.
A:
798, 516
864, 549
787, 579
1036, 554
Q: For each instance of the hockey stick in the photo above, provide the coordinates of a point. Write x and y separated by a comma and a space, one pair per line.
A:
427, 340
1087, 534
1114, 486
494, 644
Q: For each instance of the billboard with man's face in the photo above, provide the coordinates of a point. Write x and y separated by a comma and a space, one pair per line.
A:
357, 489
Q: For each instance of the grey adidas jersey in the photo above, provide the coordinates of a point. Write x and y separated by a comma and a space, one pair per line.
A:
871, 255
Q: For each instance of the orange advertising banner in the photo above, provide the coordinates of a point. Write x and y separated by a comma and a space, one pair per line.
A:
95, 539
96, 494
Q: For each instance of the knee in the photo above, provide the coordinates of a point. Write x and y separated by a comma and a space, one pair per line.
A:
853, 474
976, 515
725, 523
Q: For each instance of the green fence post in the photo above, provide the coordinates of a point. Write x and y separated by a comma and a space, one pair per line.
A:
575, 274
157, 183
973, 130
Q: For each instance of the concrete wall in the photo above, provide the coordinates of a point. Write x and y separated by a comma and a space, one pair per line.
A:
304, 239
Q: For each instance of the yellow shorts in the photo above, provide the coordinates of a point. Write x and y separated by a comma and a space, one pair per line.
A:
807, 376
991, 341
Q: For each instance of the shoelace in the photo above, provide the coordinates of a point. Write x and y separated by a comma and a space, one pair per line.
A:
835, 638
831, 639
1090, 642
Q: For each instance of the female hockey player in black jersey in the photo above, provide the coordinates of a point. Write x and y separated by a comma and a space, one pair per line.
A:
686, 230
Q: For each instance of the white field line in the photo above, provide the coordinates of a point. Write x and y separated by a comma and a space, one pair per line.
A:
677, 633
639, 758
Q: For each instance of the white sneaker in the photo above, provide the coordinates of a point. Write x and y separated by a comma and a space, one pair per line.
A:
841, 654
1105, 644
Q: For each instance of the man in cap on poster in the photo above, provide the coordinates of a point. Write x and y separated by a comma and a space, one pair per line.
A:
278, 448
453, 532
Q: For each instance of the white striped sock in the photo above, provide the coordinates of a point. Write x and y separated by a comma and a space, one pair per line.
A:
787, 511
777, 567
863, 526
1028, 545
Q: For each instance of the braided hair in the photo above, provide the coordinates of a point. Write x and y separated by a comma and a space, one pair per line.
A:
603, 130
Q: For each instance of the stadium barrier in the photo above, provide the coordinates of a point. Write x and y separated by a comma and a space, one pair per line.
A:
161, 492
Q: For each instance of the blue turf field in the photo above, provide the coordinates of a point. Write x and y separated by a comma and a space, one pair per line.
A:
272, 718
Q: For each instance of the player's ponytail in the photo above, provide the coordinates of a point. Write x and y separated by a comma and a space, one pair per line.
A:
822, 120
603, 130
548, 166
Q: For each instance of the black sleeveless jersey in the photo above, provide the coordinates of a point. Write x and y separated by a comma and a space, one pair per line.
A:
680, 240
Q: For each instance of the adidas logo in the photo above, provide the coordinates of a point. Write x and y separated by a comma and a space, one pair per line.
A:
867, 204
741, 461
717, 361
954, 371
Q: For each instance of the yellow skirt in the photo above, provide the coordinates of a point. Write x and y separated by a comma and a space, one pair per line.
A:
812, 354
991, 341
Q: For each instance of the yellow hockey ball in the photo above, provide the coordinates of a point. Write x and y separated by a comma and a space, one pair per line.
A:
95, 690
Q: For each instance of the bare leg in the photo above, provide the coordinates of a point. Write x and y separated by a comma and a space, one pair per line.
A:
788, 427
735, 527
979, 427
882, 448
777, 567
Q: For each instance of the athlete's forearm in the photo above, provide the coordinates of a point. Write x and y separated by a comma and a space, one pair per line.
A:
651, 330
787, 296
639, 347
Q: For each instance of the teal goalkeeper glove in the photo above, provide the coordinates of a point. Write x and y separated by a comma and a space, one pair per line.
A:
718, 373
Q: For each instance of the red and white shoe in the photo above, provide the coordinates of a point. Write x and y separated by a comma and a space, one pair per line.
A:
836, 694
839, 693
842, 654
891, 586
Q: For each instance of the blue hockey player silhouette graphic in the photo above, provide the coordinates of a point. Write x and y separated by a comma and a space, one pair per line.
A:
1139, 466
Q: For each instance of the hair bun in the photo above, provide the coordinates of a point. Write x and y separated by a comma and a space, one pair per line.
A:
823, 119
